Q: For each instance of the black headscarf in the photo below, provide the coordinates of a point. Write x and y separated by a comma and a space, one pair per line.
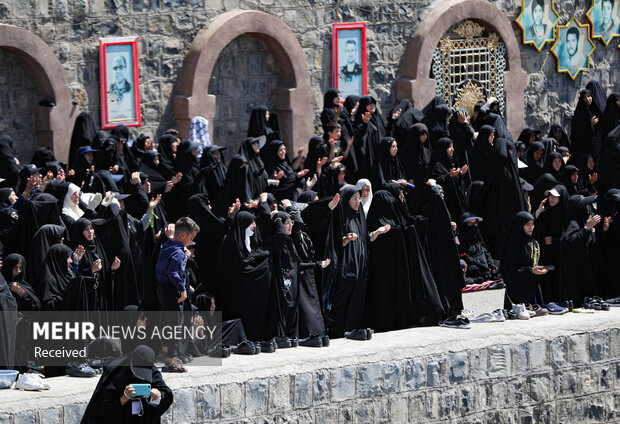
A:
564, 140
387, 167
367, 136
47, 236
534, 167
236, 185
549, 169
8, 308
437, 101
328, 115
497, 122
273, 164
259, 126
479, 156
84, 134
611, 116
29, 301
526, 135
585, 173
148, 167
166, 155
350, 102
408, 116
598, 94
214, 169
137, 148
56, 277
567, 174
437, 123
42, 156
8, 167
454, 187
416, 156
609, 174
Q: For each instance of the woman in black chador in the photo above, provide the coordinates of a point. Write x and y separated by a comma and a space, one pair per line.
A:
534, 159
550, 219
387, 167
263, 122
113, 401
236, 186
347, 296
449, 174
554, 165
588, 174
335, 112
480, 152
370, 129
257, 175
415, 155
56, 277
519, 263
584, 125
246, 289
474, 251
577, 248
279, 167
571, 180
437, 123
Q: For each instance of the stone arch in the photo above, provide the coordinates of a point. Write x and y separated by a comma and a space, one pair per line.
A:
294, 99
415, 67
53, 125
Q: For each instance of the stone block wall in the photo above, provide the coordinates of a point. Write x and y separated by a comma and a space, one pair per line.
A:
568, 379
167, 27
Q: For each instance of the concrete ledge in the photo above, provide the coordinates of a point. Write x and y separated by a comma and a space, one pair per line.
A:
549, 369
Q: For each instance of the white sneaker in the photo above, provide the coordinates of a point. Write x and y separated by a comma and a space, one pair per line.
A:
498, 314
27, 382
467, 313
485, 317
40, 379
521, 312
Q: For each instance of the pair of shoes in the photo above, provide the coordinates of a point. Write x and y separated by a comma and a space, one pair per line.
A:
520, 311
31, 381
325, 340
268, 346
536, 310
613, 301
96, 364
220, 351
311, 341
466, 313
246, 348
173, 366
455, 321
595, 303
362, 334
74, 369
555, 309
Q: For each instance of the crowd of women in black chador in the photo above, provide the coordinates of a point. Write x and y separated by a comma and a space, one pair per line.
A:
367, 231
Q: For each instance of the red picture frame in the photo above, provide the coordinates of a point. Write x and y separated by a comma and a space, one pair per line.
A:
349, 66
119, 82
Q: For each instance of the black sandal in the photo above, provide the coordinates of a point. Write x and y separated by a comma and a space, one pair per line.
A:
172, 367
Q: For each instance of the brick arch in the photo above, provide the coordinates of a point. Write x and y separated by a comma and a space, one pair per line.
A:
294, 98
415, 67
53, 125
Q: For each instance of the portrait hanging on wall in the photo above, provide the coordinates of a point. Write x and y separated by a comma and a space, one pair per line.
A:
604, 15
537, 21
120, 82
573, 48
349, 73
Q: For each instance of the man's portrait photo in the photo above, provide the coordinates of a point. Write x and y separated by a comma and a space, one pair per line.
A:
119, 75
350, 62
604, 15
573, 48
537, 20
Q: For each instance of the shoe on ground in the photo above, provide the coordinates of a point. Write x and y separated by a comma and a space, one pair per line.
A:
356, 335
311, 341
536, 311
583, 311
496, 285
499, 315
73, 369
220, 351
369, 333
521, 312
555, 309
268, 346
469, 314
325, 340
485, 317
174, 366
40, 377
283, 342
568, 304
614, 301
456, 321
244, 348
29, 382
294, 342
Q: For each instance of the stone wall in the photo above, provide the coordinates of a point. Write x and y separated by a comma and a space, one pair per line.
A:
167, 27
18, 97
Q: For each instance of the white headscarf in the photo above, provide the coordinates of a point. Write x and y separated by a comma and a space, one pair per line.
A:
68, 207
199, 133
365, 203
248, 233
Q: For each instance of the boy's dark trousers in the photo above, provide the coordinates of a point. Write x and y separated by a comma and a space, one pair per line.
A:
168, 296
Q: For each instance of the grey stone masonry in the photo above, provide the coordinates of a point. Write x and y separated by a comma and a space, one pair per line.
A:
547, 370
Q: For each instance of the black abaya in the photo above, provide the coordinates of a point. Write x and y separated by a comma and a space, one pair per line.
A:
582, 131
56, 277
415, 155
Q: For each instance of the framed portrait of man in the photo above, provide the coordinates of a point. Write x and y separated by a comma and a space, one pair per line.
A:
120, 82
604, 15
349, 72
573, 48
537, 21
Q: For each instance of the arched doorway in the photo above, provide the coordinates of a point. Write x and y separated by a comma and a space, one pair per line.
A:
293, 97
415, 68
53, 125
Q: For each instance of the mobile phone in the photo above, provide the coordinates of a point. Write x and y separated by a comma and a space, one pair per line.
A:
142, 389
549, 267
